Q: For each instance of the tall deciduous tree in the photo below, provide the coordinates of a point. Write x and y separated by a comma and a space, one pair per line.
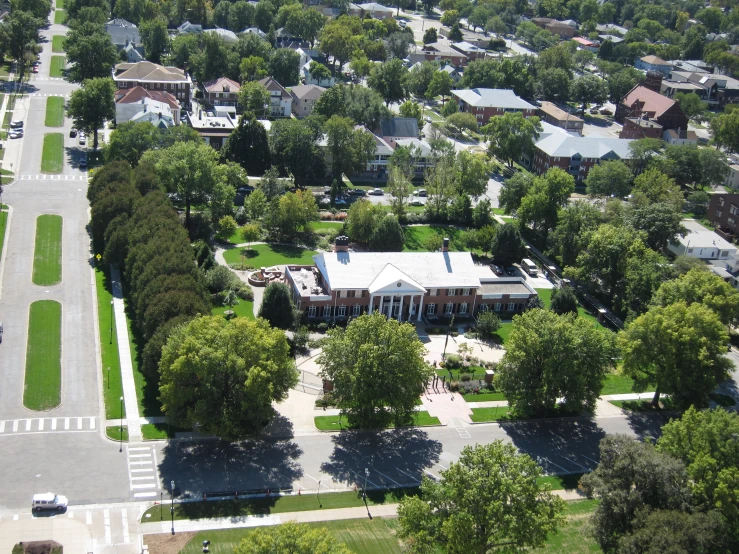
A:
294, 150
564, 301
473, 171
130, 140
248, 146
609, 179
679, 350
513, 191
225, 375
488, 501
551, 358
511, 135
254, 97
387, 236
284, 66
507, 246
574, 223
91, 56
349, 149
547, 196
91, 105
277, 308
19, 37
390, 80
589, 89
362, 219
291, 214
377, 368
293, 538
155, 38
37, 8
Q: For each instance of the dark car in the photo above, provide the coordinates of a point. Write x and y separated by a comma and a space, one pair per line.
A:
73, 133
245, 190
496, 269
510, 270
357, 192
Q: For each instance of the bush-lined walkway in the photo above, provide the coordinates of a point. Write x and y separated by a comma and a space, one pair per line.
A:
43, 380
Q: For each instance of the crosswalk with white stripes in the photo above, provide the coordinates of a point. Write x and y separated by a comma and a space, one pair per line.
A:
44, 177
47, 425
44, 94
142, 471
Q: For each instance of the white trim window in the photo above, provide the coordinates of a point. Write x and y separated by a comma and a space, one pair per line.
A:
327, 311
511, 306
356, 310
498, 306
465, 292
484, 307
451, 292
341, 311
430, 309
463, 308
311, 311
449, 309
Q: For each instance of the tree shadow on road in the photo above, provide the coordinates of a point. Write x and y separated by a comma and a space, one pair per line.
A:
648, 425
214, 465
405, 452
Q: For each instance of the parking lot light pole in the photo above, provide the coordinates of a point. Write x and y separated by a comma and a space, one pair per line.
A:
171, 510
364, 488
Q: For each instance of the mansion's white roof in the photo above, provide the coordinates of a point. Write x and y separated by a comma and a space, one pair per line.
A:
566, 146
365, 270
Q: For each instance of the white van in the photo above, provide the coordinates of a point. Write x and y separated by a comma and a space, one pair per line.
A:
529, 267
48, 501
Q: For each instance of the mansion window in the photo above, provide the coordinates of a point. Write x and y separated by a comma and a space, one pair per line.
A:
356, 310
430, 309
463, 308
311, 311
451, 292
449, 308
511, 306
498, 306
341, 311
327, 311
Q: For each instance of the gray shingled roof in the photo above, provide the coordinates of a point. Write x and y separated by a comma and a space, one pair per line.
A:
399, 127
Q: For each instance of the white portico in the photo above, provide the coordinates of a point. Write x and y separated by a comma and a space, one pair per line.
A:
393, 287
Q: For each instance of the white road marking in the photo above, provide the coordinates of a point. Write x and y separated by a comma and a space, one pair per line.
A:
407, 474
41, 424
66, 423
124, 522
138, 448
463, 432
387, 477
70, 515
106, 519
138, 463
15, 517
139, 455
79, 423
2, 426
363, 478
92, 423
15, 426
140, 470
317, 481
144, 494
28, 425
147, 478
88, 517
138, 487
53, 424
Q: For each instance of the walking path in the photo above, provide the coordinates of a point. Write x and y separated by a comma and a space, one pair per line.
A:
124, 354
309, 516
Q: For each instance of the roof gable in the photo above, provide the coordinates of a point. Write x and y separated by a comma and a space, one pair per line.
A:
653, 101
399, 127
391, 279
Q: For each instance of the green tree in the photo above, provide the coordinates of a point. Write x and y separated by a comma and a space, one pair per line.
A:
291, 537
620, 83
254, 97
319, 72
661, 223
349, 150
256, 206
511, 135
400, 190
574, 223
225, 375
455, 33
91, 57
488, 501
642, 151
91, 105
252, 68
554, 358
549, 193
697, 202
248, 146
487, 324
564, 301
130, 140
277, 307
459, 122
37, 8
699, 286
291, 214
514, 190
645, 272
337, 41
410, 109
370, 385
155, 38
284, 66
553, 84
691, 104
419, 78
589, 89
19, 35
653, 186
441, 85
430, 35
507, 246
473, 171
611, 178
294, 150
725, 130
390, 80
706, 442
678, 349
360, 65
387, 236
361, 220
632, 480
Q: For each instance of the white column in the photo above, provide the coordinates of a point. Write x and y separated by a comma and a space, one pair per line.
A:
372, 303
390, 309
420, 309
400, 309
410, 308
382, 301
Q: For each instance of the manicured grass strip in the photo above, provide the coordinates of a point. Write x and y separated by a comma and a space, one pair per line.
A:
489, 414
277, 504
56, 69
326, 225
561, 482
60, 4
484, 397
60, 17
266, 255
57, 43
52, 156
54, 111
415, 237
47, 258
337, 423
665, 403
617, 384
159, 431
244, 308
111, 367
114, 432
42, 390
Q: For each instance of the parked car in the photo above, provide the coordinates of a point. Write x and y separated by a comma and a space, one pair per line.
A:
416, 202
496, 269
377, 192
73, 133
422, 193
83, 139
83, 161
48, 501
248, 189
510, 270
17, 124
357, 192
340, 202
17, 133
35, 69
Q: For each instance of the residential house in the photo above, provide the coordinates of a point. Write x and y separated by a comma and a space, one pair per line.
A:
308, 55
610, 28
222, 92
613, 38
723, 212
280, 101
680, 136
641, 127
560, 118
377, 11
377, 166
154, 77
576, 155
229, 37
146, 110
133, 53
396, 128
653, 63
641, 102
717, 90
585, 44
285, 39
190, 28
702, 243
255, 31
214, 129
122, 33
443, 52
407, 286
452, 72
472, 51
692, 66
305, 98
422, 154
129, 102
485, 103
565, 30
732, 177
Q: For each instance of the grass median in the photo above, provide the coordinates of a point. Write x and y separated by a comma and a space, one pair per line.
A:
58, 64
337, 423
57, 44
111, 366
60, 17
52, 155
47, 257
43, 379
54, 111
114, 432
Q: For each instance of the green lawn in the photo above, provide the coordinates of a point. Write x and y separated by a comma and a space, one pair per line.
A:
114, 432
59, 4
277, 504
42, 389
416, 236
112, 386
326, 225
617, 384
480, 415
266, 255
484, 397
47, 258
561, 482
159, 431
244, 308
54, 111
56, 69
60, 17
337, 423
57, 43
5, 69
52, 156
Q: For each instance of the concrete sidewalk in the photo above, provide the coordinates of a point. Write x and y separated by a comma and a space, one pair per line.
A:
124, 355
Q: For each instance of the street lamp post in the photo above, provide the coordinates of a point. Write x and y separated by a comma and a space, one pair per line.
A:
171, 510
121, 414
364, 488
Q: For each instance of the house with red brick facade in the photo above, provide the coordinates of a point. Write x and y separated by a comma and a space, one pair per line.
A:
443, 52
151, 76
644, 103
407, 286
485, 103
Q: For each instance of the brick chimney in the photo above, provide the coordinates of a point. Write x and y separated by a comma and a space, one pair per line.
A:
653, 81
341, 244
445, 245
